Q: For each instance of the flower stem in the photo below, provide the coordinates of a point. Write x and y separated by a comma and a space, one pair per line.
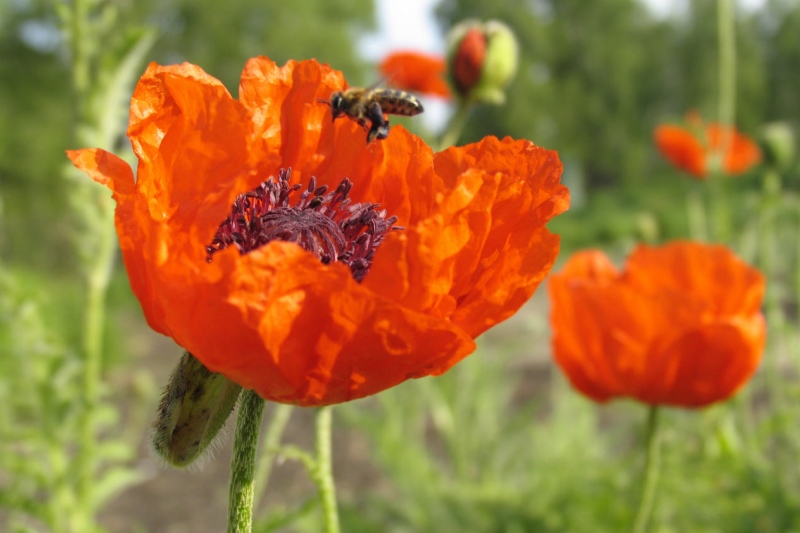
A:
270, 447
323, 473
696, 211
726, 39
651, 473
726, 111
98, 278
719, 201
456, 125
245, 443
769, 261
98, 271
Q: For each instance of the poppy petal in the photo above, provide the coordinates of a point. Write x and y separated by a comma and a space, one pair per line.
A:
691, 147
680, 325
416, 72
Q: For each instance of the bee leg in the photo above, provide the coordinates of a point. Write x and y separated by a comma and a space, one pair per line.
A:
373, 132
375, 114
380, 125
379, 130
383, 130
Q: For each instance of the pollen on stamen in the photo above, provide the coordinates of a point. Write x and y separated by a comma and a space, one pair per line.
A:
324, 223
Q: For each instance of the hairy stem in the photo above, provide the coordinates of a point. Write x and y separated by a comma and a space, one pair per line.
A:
243, 462
324, 471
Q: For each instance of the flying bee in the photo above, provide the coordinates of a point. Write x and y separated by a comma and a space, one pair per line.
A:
372, 104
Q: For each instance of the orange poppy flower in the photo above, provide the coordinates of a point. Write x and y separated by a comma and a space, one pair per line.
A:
338, 317
690, 148
416, 72
681, 325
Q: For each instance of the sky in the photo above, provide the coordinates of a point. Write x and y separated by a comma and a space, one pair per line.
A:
409, 24
406, 24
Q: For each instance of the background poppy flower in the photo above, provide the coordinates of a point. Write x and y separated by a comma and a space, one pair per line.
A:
277, 319
690, 148
416, 72
680, 325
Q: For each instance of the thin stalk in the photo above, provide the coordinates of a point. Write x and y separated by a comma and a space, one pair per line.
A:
696, 213
455, 125
97, 275
726, 40
270, 447
94, 322
796, 351
726, 111
769, 259
652, 473
243, 462
324, 471
721, 222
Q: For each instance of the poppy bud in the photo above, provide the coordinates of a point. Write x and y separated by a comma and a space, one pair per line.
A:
468, 60
195, 405
777, 143
482, 59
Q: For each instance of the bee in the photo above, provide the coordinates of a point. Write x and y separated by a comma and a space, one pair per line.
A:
371, 105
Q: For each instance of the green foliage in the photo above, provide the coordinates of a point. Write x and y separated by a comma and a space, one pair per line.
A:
596, 78
220, 38
31, 155
494, 445
463, 453
779, 25
40, 418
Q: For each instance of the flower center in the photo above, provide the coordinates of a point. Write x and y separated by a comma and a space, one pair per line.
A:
324, 223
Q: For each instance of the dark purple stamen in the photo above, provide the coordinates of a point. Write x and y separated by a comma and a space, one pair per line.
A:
324, 223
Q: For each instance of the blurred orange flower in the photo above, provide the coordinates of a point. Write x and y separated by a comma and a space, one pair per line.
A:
416, 72
690, 148
681, 325
338, 317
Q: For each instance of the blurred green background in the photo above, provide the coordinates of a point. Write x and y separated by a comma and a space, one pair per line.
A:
500, 443
593, 82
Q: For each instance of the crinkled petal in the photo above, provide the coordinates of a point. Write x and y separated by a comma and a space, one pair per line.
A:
315, 336
510, 250
278, 320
